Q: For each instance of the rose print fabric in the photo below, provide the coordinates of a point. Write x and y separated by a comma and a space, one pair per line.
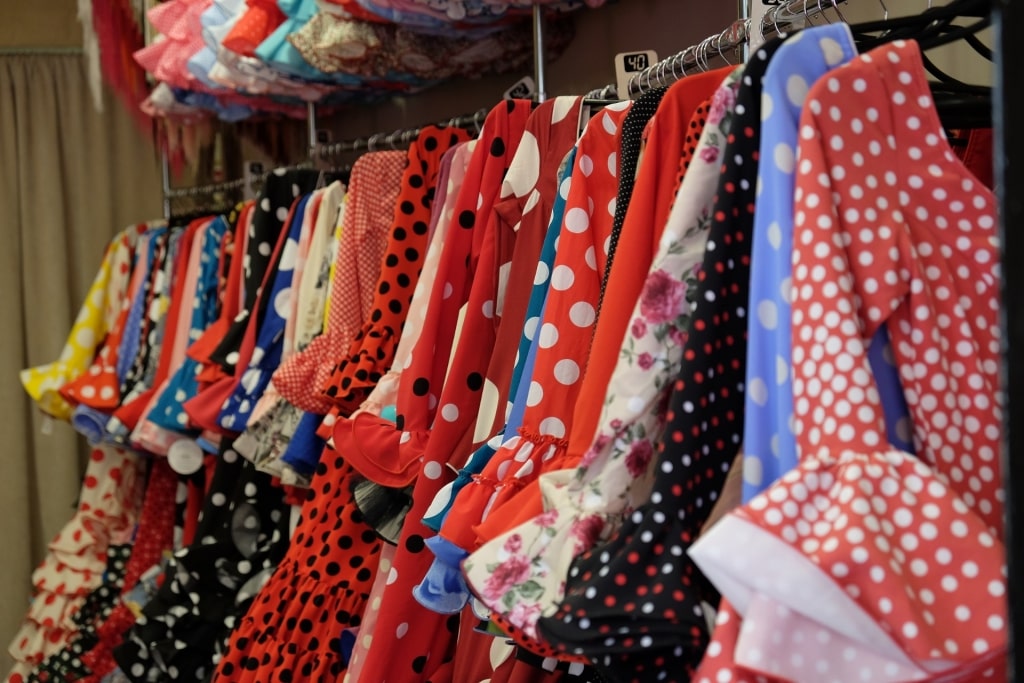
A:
692, 456
521, 574
900, 557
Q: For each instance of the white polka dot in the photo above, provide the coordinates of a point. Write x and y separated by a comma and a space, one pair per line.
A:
548, 335
525, 170
577, 220
796, 90
552, 426
768, 314
450, 412
758, 391
582, 314
535, 394
562, 278
432, 470
785, 159
586, 165
832, 51
567, 371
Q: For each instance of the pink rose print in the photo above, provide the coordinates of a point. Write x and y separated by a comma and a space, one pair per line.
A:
723, 99
586, 531
514, 543
663, 297
645, 361
709, 154
639, 457
525, 617
590, 456
547, 519
505, 576
638, 328
677, 336
616, 424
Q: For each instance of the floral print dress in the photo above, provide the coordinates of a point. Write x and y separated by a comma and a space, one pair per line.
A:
521, 574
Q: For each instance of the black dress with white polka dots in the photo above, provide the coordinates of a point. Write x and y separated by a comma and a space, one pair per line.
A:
241, 537
634, 603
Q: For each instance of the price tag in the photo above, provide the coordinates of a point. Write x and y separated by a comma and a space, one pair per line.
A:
253, 177
185, 457
628, 65
523, 89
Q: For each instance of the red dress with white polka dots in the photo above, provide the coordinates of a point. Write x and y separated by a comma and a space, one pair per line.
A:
866, 563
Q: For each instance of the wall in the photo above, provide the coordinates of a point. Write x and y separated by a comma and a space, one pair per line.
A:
50, 23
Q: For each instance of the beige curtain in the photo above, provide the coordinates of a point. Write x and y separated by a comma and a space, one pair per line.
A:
69, 179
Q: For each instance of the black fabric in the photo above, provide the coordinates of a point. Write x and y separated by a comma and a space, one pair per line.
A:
279, 192
633, 603
639, 116
241, 537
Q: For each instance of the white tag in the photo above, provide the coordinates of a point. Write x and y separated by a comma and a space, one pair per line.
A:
757, 12
185, 457
47, 425
253, 176
628, 64
710, 615
523, 89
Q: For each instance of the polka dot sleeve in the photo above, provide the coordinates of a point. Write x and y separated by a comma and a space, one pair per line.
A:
900, 559
96, 317
769, 444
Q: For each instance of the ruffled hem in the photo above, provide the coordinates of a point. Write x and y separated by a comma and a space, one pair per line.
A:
443, 589
286, 617
37, 640
892, 564
43, 385
280, 655
378, 450
626, 626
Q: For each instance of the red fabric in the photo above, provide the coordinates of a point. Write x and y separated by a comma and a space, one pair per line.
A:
155, 535
429, 647
255, 26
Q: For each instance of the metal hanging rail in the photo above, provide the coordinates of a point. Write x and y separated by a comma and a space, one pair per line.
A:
399, 139
779, 19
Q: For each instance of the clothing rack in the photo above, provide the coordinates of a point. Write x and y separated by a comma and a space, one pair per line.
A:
396, 140
734, 39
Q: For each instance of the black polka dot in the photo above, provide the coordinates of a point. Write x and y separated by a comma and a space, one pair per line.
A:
430, 144
399, 234
475, 381
497, 147
421, 386
467, 219
420, 228
407, 207
415, 544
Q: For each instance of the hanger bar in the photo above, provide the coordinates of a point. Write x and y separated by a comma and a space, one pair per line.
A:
201, 190
396, 140
778, 20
